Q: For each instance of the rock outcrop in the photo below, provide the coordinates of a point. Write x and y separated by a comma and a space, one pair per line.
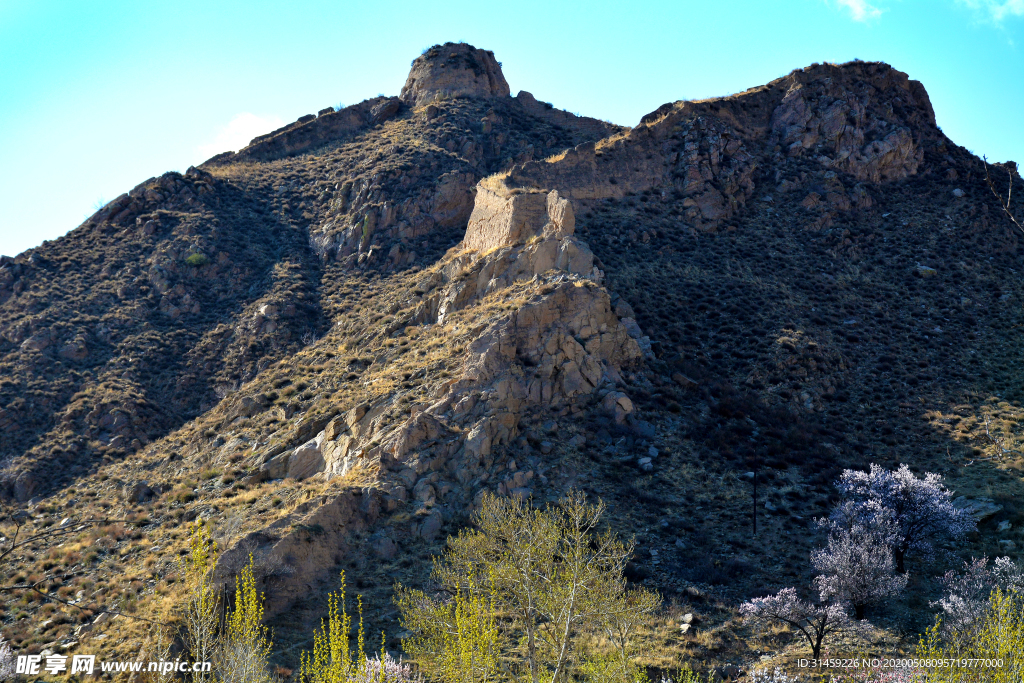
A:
311, 131
453, 70
507, 219
562, 344
865, 119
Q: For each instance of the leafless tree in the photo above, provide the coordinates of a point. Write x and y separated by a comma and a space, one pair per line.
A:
1011, 171
17, 536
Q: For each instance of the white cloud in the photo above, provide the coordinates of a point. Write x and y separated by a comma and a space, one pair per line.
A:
996, 10
861, 10
237, 134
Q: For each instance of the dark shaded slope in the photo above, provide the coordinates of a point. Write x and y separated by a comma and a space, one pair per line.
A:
124, 329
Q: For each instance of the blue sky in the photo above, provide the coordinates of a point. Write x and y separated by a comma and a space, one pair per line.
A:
97, 97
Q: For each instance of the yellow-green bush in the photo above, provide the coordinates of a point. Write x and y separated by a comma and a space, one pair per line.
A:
993, 650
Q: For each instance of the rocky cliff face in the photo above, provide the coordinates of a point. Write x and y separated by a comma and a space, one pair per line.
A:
453, 70
331, 343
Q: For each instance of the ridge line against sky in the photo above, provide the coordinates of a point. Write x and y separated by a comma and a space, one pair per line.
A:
99, 98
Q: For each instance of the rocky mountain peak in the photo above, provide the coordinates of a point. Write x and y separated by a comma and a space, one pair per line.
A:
453, 70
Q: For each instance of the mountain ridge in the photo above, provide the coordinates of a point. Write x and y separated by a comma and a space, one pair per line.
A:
374, 315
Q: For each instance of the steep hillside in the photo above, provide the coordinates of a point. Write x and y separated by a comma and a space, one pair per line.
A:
174, 295
332, 342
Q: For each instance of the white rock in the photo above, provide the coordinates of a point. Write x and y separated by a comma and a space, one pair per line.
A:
306, 460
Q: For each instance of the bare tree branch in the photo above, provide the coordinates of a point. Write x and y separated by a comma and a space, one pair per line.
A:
95, 609
9, 546
1011, 170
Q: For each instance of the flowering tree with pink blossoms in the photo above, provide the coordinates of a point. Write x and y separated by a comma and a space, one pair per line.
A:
967, 596
857, 566
915, 510
815, 620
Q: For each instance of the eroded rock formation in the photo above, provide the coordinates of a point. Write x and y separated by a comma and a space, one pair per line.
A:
560, 344
453, 70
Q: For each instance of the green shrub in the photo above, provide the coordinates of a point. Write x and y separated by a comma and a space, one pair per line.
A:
197, 260
997, 636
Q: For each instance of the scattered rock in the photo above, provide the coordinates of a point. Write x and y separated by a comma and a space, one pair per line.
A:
140, 492
958, 193
644, 429
522, 493
617, 404
24, 486
924, 271
431, 526
37, 342
383, 547
979, 508
74, 350
276, 467
1004, 525
683, 381
730, 672
385, 110
247, 407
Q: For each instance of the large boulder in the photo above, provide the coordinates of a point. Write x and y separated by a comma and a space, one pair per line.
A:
453, 70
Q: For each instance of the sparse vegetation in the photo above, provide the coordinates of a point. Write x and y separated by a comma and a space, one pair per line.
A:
828, 321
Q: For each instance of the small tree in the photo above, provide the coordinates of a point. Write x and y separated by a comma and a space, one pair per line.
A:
857, 566
915, 510
553, 577
333, 659
815, 621
620, 625
997, 635
245, 647
201, 606
966, 597
457, 640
